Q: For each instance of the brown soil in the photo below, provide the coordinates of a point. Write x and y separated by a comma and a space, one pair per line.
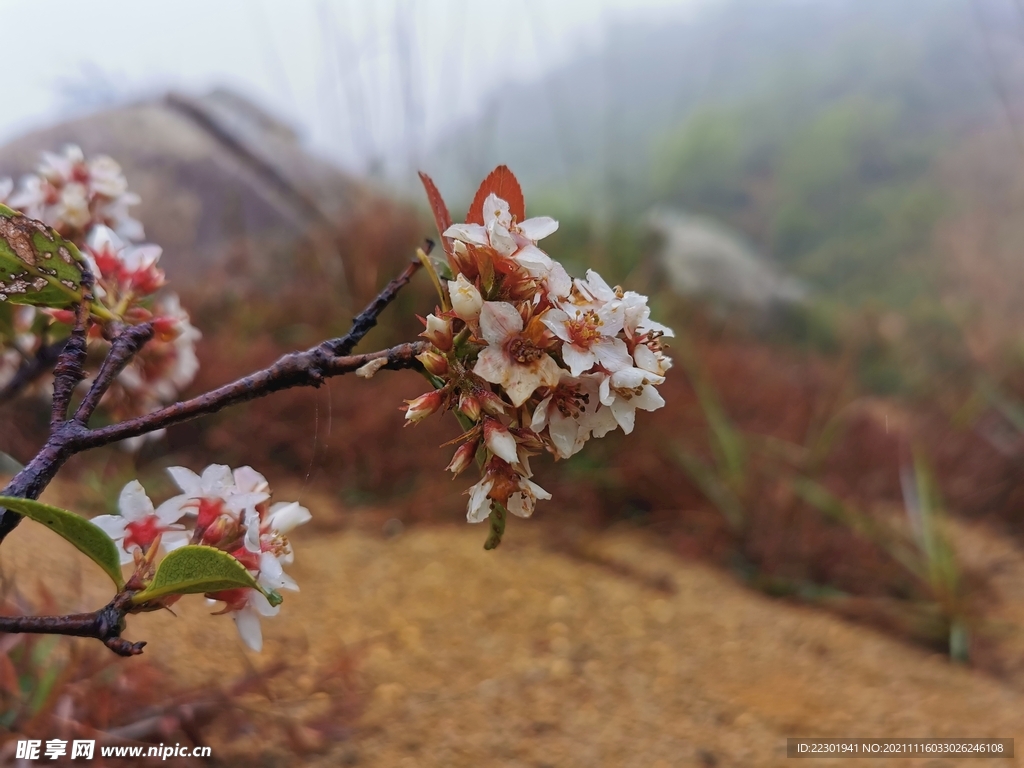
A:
527, 656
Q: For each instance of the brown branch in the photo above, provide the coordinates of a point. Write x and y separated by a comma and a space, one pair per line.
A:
71, 436
70, 369
297, 369
106, 625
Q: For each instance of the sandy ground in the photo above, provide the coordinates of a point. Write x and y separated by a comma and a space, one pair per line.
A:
527, 657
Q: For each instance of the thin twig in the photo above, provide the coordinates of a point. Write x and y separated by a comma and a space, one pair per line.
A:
123, 348
364, 322
32, 370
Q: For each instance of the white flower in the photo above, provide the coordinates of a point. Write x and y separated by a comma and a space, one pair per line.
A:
139, 524
552, 276
572, 412
499, 231
588, 337
637, 320
523, 501
212, 494
628, 389
466, 299
512, 359
30, 199
73, 206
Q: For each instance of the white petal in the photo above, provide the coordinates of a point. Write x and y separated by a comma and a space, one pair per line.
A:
558, 282
612, 354
189, 482
538, 228
520, 505
176, 507
172, 540
112, 525
468, 233
238, 503
534, 260
252, 530
578, 360
491, 365
646, 359
217, 479
498, 321
248, 623
521, 382
628, 378
479, 505
261, 604
602, 422
557, 321
133, 503
248, 480
496, 211
598, 287
649, 400
625, 414
564, 430
540, 415
502, 240
285, 516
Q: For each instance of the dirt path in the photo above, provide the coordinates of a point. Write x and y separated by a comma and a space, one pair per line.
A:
525, 657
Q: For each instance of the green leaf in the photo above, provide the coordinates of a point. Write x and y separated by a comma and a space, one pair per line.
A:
37, 266
197, 569
86, 536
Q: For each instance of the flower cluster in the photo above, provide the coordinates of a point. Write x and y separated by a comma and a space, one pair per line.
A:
87, 201
531, 359
225, 509
73, 195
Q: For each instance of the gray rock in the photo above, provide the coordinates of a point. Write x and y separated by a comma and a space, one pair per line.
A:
227, 190
700, 256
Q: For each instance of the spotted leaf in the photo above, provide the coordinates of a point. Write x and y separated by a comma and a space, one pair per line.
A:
37, 266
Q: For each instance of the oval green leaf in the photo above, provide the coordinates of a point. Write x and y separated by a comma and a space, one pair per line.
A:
37, 266
86, 536
197, 569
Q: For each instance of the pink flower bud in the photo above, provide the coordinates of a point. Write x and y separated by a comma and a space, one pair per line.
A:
463, 457
499, 441
435, 363
490, 402
423, 406
439, 332
470, 406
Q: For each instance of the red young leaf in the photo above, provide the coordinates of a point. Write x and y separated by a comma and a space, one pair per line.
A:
504, 184
442, 218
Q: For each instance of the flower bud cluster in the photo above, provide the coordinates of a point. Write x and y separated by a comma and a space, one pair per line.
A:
225, 509
530, 359
87, 201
